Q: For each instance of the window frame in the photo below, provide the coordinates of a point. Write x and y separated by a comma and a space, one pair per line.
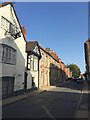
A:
7, 54
8, 26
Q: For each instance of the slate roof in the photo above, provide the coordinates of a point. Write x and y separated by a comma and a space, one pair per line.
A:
30, 45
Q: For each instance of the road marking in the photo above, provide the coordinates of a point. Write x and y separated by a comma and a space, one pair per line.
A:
48, 112
80, 98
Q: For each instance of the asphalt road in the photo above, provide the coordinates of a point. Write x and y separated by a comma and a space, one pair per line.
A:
59, 102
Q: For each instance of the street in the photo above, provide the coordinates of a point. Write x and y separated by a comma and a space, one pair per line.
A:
58, 102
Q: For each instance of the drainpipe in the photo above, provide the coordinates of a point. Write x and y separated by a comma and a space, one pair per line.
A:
38, 73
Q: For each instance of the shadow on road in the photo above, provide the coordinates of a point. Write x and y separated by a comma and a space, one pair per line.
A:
50, 104
71, 85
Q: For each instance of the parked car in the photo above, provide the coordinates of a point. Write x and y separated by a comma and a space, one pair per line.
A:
74, 80
79, 80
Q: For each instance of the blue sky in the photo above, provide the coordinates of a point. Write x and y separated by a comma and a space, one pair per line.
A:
61, 26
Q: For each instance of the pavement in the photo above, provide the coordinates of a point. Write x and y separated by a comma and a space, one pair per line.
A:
26, 95
14, 99
83, 105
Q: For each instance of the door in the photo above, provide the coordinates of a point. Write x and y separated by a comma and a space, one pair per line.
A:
25, 81
7, 86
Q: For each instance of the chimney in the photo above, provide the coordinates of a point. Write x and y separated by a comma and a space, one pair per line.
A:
24, 31
48, 49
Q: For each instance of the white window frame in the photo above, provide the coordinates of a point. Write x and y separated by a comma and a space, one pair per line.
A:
8, 54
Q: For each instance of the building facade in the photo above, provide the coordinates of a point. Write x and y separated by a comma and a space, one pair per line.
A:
44, 68
87, 57
54, 68
33, 57
49, 70
69, 73
12, 51
24, 65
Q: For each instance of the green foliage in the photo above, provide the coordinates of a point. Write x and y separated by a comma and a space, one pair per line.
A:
75, 70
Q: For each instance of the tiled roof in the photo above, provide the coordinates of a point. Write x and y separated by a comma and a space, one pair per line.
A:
45, 50
53, 54
30, 45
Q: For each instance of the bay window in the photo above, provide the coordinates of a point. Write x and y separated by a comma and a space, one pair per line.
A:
7, 54
32, 62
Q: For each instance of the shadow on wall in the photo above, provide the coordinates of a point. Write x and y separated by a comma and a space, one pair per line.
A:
56, 75
17, 71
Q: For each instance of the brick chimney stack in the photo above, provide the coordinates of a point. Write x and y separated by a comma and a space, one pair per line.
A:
48, 49
24, 31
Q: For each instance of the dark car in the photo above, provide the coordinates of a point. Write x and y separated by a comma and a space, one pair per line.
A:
74, 80
79, 80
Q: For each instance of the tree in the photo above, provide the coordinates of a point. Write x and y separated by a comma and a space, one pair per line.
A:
75, 70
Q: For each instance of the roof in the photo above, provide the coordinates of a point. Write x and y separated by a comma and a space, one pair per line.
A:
44, 50
30, 45
7, 3
49, 53
87, 41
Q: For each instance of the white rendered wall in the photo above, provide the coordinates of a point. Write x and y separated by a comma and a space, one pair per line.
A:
18, 44
35, 75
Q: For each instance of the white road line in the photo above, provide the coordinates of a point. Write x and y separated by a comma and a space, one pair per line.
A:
48, 112
80, 99
77, 109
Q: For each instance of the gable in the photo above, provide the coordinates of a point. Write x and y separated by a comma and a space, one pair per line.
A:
12, 19
36, 50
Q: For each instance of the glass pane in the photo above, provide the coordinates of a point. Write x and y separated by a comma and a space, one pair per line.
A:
31, 64
35, 65
1, 50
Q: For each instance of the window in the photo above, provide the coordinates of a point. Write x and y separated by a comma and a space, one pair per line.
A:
42, 58
8, 26
1, 50
46, 60
31, 63
5, 24
55, 63
35, 63
7, 54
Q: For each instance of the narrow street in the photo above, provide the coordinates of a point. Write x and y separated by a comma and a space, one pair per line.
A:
59, 102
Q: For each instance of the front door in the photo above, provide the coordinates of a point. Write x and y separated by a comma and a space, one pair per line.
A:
7, 86
25, 82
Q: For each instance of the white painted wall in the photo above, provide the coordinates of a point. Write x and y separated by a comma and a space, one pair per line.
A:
18, 44
35, 75
29, 77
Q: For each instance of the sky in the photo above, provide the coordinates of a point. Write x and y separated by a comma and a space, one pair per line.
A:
60, 26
